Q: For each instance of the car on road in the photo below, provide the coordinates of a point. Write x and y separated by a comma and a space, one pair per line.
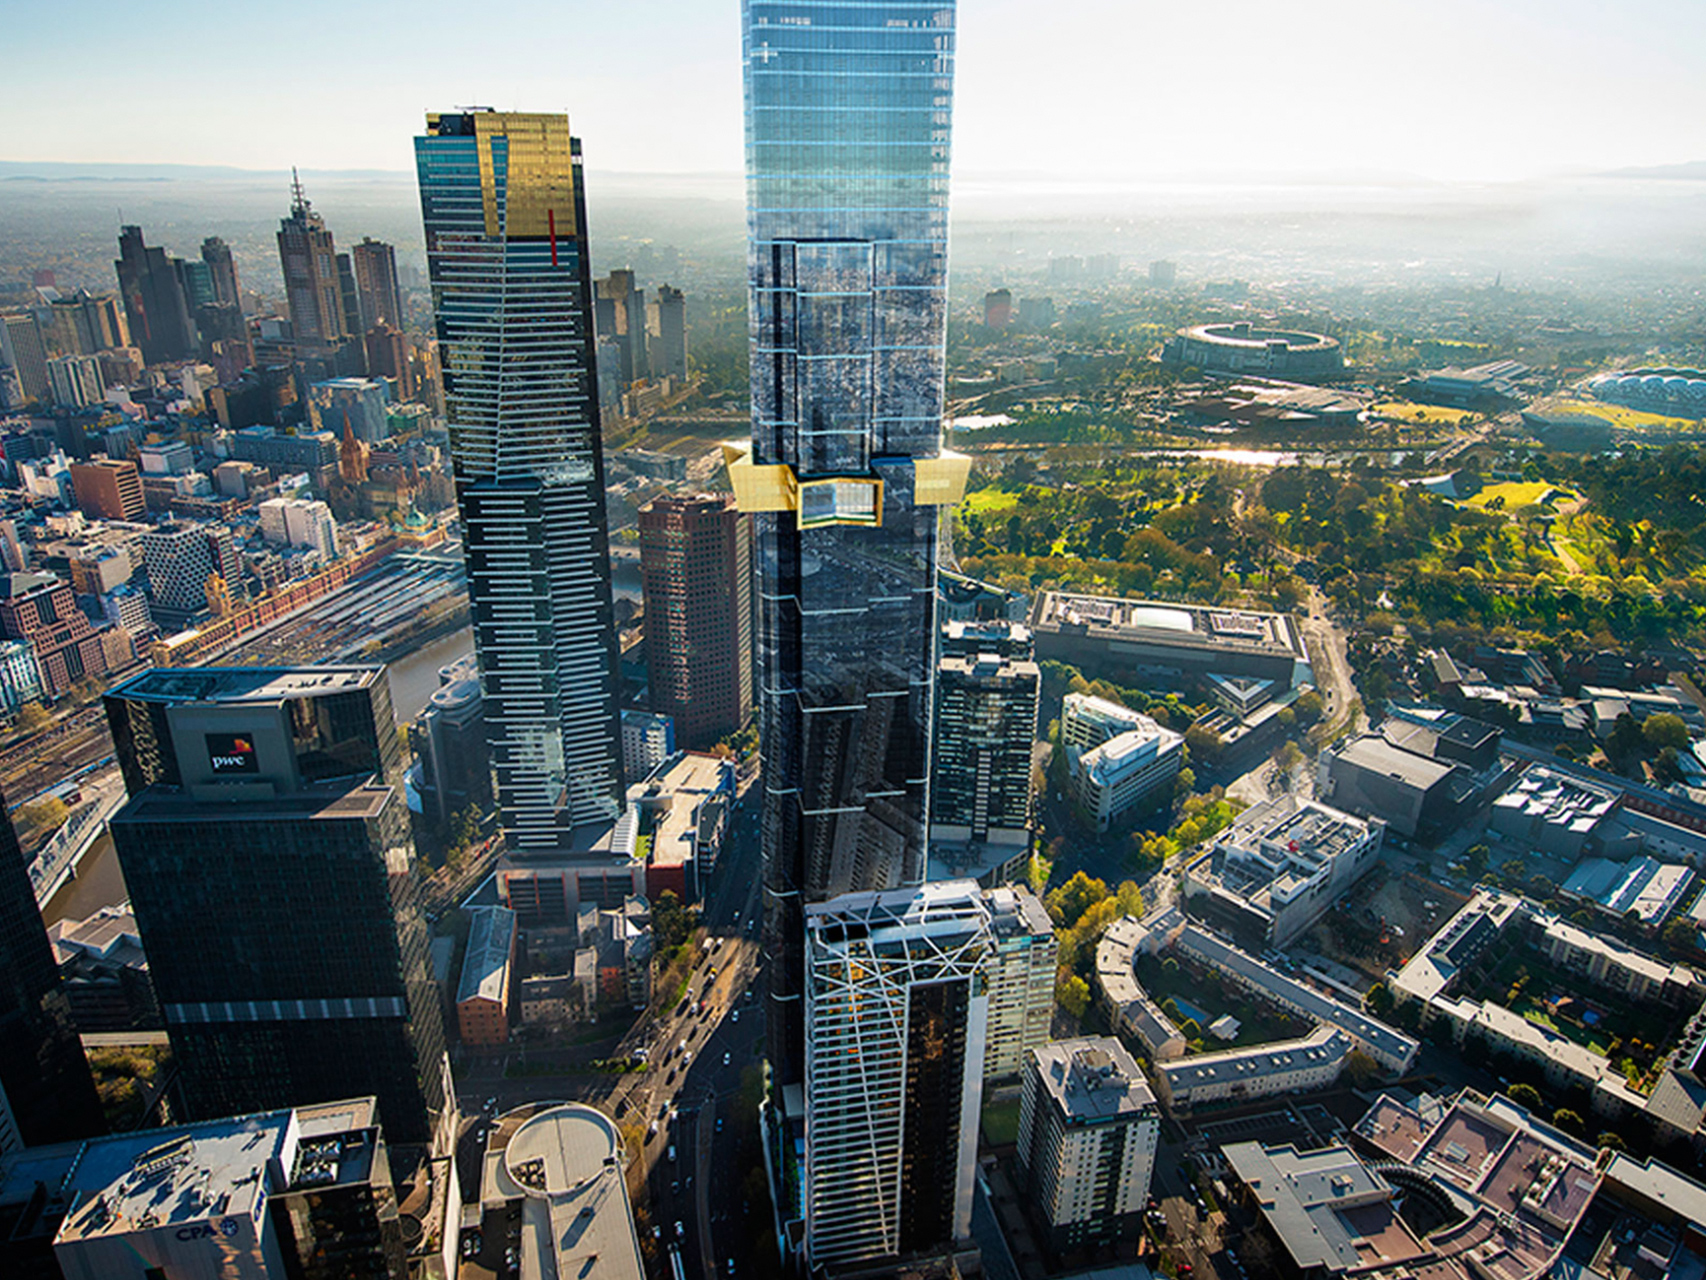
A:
672, 1153
680, 1231
734, 1015
726, 1059
719, 1124
652, 1129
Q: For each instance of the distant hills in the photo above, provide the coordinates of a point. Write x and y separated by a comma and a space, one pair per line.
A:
1693, 170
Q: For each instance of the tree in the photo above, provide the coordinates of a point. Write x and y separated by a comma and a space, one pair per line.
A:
1288, 757
33, 717
1379, 1000
1681, 934
43, 817
1072, 994
1569, 1121
1360, 1068
1072, 899
1612, 1142
1664, 730
1524, 1095
1310, 706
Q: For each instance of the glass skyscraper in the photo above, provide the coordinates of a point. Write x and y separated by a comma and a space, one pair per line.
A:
847, 122
505, 220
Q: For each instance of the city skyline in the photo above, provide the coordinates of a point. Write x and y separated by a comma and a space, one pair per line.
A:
1021, 106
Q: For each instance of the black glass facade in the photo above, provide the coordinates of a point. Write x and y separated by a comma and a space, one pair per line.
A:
43, 1072
284, 932
847, 122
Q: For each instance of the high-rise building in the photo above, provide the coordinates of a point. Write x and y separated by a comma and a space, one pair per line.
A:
847, 190
620, 308
217, 254
311, 285
349, 296
109, 489
998, 308
46, 1092
669, 333
986, 727
505, 220
76, 381
388, 357
84, 324
1021, 973
354, 404
21, 349
1088, 1133
195, 277
267, 853
896, 1013
154, 303
376, 283
449, 740
696, 566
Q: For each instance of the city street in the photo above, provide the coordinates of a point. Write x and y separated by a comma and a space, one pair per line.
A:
685, 1111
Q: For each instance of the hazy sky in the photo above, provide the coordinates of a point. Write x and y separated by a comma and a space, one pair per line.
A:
1094, 89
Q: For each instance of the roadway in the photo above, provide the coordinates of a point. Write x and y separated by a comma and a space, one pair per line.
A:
689, 1100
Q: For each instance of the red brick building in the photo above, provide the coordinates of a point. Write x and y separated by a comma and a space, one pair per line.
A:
40, 608
696, 565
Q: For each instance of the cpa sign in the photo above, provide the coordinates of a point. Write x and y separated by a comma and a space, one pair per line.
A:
209, 1230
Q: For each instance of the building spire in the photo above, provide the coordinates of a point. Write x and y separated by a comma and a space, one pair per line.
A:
298, 201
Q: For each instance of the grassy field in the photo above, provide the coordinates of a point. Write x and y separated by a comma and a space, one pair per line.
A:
1618, 416
1422, 414
990, 501
1519, 493
1001, 1123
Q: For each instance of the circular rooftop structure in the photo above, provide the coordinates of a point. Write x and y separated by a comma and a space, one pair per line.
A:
561, 1150
1245, 348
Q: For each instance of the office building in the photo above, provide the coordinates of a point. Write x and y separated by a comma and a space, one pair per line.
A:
381, 301
1126, 775
22, 351
1021, 976
1164, 644
84, 324
75, 381
39, 608
669, 334
267, 853
311, 452
311, 286
1088, 1132
1163, 274
986, 726
1277, 869
109, 489
528, 466
222, 269
300, 522
847, 146
454, 770
158, 315
46, 1092
696, 566
485, 995
1087, 721
896, 1016
299, 1194
998, 308
620, 308
180, 560
20, 676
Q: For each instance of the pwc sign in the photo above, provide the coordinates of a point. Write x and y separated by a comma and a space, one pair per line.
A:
232, 753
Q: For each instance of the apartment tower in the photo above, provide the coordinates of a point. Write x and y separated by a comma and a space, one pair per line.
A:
505, 219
